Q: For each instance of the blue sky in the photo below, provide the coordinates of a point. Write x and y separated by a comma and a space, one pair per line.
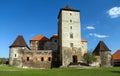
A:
100, 20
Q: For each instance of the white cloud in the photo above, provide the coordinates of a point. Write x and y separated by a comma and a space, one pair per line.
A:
98, 35
90, 27
91, 34
114, 12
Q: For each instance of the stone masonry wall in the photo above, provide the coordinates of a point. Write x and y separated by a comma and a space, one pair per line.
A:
105, 58
68, 53
37, 59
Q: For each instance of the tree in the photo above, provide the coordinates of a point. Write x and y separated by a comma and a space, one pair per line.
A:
89, 58
3, 60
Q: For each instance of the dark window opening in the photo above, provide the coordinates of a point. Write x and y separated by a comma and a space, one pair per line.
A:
70, 13
70, 27
71, 44
49, 58
28, 59
42, 59
55, 40
74, 59
70, 20
15, 55
71, 35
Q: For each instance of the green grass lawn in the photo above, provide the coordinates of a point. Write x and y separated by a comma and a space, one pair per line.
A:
108, 71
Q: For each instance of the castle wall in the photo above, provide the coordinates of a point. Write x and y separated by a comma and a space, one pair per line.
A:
105, 57
15, 56
37, 59
34, 45
84, 48
69, 53
51, 46
23, 57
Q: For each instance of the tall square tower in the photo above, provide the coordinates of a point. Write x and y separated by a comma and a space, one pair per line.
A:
69, 35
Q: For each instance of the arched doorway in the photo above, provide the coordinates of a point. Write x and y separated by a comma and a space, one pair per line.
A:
75, 59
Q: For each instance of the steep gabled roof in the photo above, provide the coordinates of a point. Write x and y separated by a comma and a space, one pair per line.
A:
19, 42
67, 8
100, 47
116, 55
40, 38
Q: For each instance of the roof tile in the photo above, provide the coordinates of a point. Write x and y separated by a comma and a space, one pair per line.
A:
100, 47
116, 55
40, 38
19, 42
82, 40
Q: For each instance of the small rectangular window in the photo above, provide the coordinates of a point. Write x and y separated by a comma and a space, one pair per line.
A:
28, 59
49, 58
71, 44
70, 20
70, 27
15, 55
71, 35
42, 59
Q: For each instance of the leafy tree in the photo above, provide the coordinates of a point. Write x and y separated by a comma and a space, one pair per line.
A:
89, 58
3, 60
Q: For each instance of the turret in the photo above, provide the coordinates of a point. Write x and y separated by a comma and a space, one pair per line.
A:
16, 50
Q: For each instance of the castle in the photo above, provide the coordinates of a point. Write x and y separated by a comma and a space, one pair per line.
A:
61, 49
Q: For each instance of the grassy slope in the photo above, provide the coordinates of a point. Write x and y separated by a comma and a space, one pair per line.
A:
10, 71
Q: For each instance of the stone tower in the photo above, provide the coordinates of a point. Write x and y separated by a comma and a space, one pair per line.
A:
16, 51
69, 35
103, 55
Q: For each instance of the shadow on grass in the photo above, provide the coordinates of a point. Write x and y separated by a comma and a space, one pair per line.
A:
115, 72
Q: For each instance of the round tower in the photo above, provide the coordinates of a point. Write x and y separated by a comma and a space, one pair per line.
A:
16, 51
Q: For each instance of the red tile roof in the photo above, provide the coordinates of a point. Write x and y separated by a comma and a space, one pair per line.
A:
116, 55
55, 36
82, 40
40, 38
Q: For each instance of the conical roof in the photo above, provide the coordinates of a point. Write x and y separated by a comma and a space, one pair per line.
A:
19, 42
100, 47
